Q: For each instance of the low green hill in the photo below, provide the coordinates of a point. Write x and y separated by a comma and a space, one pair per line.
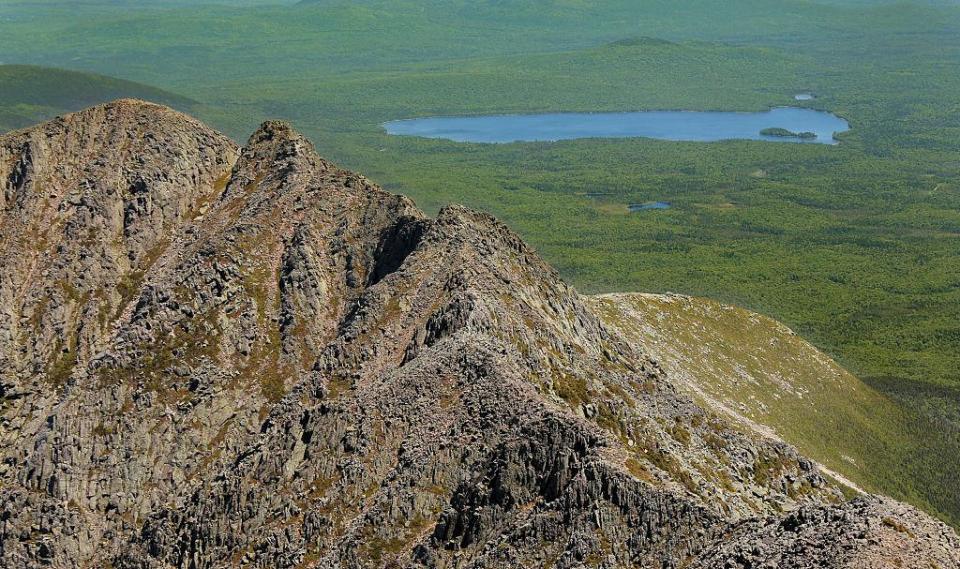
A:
30, 94
761, 374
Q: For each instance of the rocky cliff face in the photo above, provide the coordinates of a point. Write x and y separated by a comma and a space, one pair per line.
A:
223, 357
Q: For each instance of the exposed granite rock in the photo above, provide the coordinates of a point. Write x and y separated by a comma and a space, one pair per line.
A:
286, 366
867, 532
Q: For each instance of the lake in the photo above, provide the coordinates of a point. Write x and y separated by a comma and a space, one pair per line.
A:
696, 126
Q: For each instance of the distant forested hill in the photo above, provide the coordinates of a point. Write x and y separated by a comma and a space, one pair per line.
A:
29, 94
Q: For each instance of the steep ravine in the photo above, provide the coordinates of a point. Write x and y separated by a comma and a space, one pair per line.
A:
218, 357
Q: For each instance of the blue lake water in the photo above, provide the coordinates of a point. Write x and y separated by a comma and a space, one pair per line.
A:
666, 125
635, 207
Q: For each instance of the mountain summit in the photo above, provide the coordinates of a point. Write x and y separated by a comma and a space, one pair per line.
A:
216, 356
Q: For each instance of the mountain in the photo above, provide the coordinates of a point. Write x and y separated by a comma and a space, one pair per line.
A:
29, 93
216, 356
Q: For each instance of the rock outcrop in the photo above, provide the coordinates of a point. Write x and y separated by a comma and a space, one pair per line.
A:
249, 357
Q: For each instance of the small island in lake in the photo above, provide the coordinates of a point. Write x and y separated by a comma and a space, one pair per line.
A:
782, 132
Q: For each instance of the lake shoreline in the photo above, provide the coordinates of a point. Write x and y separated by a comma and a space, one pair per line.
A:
819, 127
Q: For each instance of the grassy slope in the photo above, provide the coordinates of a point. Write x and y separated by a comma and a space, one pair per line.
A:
32, 94
757, 371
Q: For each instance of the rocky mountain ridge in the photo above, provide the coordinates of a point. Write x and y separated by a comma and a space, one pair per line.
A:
217, 356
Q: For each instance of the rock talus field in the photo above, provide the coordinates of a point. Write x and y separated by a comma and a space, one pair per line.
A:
216, 356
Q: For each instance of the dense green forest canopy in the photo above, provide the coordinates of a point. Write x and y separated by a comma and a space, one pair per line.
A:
856, 246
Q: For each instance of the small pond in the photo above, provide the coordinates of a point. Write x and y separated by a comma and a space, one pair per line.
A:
666, 125
636, 207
